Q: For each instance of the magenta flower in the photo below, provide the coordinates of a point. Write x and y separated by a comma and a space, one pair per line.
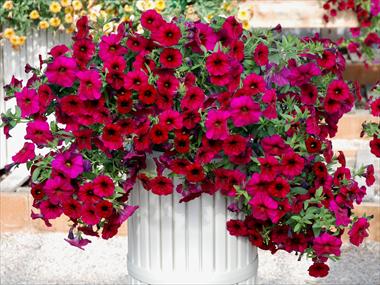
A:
263, 206
62, 71
90, 84
217, 63
78, 242
244, 111
38, 131
27, 100
327, 244
50, 210
89, 215
58, 189
358, 231
292, 164
69, 163
341, 215
25, 154
216, 125
274, 145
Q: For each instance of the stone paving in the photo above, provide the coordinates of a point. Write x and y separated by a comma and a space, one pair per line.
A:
27, 258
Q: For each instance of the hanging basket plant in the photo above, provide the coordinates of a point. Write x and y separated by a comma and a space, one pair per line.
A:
247, 114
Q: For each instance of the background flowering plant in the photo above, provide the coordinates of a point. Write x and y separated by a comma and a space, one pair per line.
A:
247, 115
18, 17
364, 39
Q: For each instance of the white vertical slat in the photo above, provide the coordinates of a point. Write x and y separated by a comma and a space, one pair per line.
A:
194, 214
167, 234
144, 230
232, 242
179, 249
220, 246
208, 262
154, 231
3, 144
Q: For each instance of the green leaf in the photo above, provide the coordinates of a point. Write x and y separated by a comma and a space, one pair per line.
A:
36, 174
298, 190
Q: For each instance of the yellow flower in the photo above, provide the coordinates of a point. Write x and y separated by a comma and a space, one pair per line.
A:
55, 7
226, 6
34, 15
126, 18
243, 15
21, 40
68, 18
83, 13
108, 27
246, 25
93, 16
209, 17
69, 10
8, 33
140, 5
65, 3
54, 22
103, 14
160, 5
77, 5
70, 30
8, 5
14, 40
148, 5
128, 9
43, 25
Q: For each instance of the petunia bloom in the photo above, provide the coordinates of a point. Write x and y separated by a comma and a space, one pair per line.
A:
62, 71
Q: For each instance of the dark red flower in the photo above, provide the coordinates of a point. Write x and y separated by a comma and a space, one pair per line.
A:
313, 145
89, 215
111, 136
171, 119
193, 99
50, 210
104, 209
147, 94
375, 146
190, 119
37, 191
217, 63
254, 83
318, 270
195, 173
358, 231
292, 164
279, 188
159, 134
234, 144
328, 59
375, 107
124, 103
167, 34
338, 90
182, 143
72, 208
237, 228
151, 20
103, 186
161, 185
261, 54
87, 194
167, 84
309, 94
179, 165
171, 58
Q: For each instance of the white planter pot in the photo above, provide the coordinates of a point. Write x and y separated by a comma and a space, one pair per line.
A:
187, 243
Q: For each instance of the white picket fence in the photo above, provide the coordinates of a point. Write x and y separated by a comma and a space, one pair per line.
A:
12, 62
